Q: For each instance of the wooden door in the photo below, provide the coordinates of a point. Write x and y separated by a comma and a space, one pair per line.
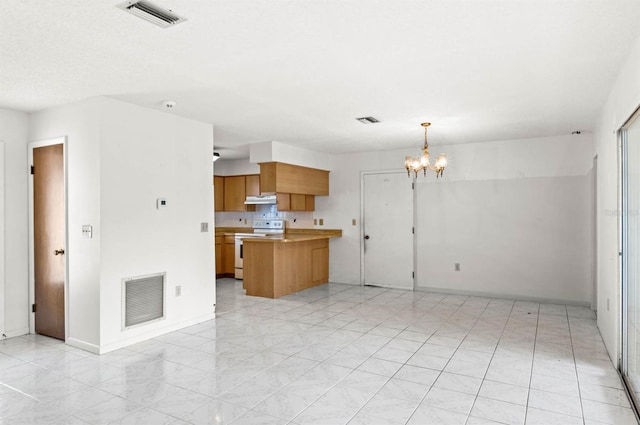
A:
388, 230
48, 226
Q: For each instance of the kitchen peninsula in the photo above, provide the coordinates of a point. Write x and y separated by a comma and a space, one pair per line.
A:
275, 266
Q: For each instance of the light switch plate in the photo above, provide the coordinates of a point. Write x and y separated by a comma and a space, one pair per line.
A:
87, 231
204, 227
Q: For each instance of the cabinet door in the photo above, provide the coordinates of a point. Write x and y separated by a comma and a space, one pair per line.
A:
218, 193
310, 203
298, 202
252, 185
283, 202
219, 259
229, 256
234, 193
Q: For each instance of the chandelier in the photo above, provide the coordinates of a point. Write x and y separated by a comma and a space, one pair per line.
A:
417, 164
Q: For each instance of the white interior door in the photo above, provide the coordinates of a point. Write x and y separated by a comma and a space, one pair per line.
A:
388, 230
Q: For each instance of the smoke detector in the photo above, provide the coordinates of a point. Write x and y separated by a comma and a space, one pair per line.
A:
150, 12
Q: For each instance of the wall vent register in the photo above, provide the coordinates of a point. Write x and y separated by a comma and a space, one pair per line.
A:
143, 299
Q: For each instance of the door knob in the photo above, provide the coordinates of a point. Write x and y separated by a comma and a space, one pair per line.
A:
58, 252
366, 237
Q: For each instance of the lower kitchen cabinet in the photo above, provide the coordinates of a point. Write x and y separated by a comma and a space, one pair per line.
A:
229, 256
225, 256
219, 241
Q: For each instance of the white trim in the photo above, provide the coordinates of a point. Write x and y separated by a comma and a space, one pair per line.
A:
15, 333
501, 295
38, 144
154, 333
86, 346
3, 295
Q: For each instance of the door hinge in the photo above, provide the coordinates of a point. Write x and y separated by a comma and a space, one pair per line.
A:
32, 169
413, 275
33, 308
412, 185
413, 230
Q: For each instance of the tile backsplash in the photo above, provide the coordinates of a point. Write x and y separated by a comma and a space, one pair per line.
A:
295, 219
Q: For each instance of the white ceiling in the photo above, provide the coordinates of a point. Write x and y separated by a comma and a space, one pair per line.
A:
299, 72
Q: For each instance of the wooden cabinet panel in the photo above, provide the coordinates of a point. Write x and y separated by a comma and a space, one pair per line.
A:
229, 255
298, 202
234, 193
218, 240
218, 193
320, 265
252, 185
283, 202
287, 178
310, 203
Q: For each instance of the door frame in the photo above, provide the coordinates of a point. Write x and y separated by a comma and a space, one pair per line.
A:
3, 270
413, 211
33, 145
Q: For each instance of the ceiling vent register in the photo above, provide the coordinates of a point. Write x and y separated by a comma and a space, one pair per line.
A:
368, 120
152, 13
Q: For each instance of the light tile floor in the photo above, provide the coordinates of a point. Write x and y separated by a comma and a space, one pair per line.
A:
335, 354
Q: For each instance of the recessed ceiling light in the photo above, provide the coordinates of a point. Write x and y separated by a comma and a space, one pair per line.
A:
168, 104
576, 132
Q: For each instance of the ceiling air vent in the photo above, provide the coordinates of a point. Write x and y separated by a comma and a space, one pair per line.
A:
152, 13
368, 120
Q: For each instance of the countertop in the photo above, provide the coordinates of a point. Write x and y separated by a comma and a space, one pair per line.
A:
290, 235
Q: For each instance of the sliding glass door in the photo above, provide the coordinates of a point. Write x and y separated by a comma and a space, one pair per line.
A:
631, 255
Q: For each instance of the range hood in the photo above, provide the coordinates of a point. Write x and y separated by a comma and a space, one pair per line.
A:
260, 200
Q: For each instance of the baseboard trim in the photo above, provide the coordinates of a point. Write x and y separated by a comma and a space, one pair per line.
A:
83, 345
15, 332
504, 296
103, 349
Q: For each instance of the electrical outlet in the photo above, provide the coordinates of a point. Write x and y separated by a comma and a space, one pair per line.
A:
321, 221
315, 221
456, 267
178, 290
204, 227
353, 222
245, 221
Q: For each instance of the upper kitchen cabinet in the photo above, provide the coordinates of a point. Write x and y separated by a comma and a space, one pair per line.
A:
218, 191
278, 177
252, 185
236, 189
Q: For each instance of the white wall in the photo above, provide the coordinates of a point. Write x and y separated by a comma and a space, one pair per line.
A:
15, 297
622, 101
289, 154
235, 167
557, 167
120, 158
145, 155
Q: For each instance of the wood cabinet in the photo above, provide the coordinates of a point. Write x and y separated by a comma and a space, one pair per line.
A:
234, 193
219, 241
218, 193
236, 189
295, 202
225, 256
252, 185
273, 269
229, 256
278, 177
